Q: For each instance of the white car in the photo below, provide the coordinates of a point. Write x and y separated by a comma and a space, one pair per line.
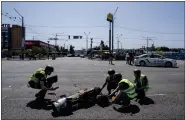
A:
154, 60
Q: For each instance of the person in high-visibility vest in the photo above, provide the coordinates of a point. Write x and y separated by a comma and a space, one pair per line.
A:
141, 84
38, 80
126, 92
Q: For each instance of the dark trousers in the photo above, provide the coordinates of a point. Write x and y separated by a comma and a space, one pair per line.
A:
41, 94
141, 94
122, 99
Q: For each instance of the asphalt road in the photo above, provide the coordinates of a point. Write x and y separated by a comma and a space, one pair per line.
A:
79, 73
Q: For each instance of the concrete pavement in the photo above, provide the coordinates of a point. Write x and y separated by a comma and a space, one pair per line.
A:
79, 73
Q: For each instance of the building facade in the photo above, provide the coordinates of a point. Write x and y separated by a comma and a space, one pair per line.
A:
37, 43
5, 37
11, 37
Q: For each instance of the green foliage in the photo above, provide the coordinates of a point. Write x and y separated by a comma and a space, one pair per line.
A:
71, 50
36, 50
57, 48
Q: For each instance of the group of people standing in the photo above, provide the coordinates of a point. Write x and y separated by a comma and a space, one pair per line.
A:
130, 58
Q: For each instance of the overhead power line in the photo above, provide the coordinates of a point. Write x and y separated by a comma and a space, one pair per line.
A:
104, 27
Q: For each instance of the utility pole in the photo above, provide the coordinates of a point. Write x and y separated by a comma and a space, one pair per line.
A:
48, 50
91, 46
113, 29
121, 45
23, 32
56, 40
147, 40
64, 44
33, 37
91, 42
118, 36
87, 35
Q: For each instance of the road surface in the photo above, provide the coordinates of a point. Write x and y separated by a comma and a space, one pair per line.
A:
79, 73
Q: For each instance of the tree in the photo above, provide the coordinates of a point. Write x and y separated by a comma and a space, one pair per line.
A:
153, 47
105, 47
36, 50
71, 50
43, 51
57, 48
62, 49
163, 48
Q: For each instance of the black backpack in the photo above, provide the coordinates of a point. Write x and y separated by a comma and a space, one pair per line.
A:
103, 100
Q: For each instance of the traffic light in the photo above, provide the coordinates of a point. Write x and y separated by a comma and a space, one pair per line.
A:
91, 40
80, 37
69, 36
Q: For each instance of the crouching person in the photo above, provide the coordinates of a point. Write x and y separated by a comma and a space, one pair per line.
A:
126, 92
39, 80
141, 84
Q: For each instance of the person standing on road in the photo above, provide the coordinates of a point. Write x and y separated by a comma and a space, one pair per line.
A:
38, 80
126, 92
141, 84
110, 81
127, 58
110, 58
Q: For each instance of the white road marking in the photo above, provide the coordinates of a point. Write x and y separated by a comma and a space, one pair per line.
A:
156, 95
177, 74
4, 97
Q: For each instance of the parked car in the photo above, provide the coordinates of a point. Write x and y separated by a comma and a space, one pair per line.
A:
69, 55
154, 60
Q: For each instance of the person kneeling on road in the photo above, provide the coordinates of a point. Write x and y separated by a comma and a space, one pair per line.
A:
38, 80
126, 92
110, 81
141, 84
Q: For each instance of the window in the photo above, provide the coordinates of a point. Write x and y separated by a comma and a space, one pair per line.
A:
155, 56
143, 56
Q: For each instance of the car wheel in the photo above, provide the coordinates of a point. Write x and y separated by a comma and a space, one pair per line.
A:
168, 64
142, 63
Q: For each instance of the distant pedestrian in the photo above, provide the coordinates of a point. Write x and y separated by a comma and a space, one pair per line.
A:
127, 58
110, 58
131, 58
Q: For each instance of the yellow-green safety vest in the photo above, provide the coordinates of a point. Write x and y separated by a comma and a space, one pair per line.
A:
40, 70
131, 90
147, 85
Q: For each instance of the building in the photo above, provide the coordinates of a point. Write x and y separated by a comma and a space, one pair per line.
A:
11, 37
5, 37
37, 43
16, 37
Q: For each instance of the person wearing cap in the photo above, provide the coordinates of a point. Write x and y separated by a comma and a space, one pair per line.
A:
110, 82
141, 83
38, 80
125, 92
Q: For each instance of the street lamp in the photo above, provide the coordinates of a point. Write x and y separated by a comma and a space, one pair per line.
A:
118, 36
48, 50
121, 45
64, 43
87, 35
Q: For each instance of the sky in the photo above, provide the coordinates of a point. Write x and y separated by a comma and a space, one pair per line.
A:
163, 22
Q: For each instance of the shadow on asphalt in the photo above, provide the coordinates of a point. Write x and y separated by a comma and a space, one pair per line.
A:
75, 108
131, 109
146, 101
45, 105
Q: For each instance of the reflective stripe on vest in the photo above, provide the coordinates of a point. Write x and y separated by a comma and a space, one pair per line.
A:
40, 70
131, 90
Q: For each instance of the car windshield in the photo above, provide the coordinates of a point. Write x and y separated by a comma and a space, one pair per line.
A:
142, 56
